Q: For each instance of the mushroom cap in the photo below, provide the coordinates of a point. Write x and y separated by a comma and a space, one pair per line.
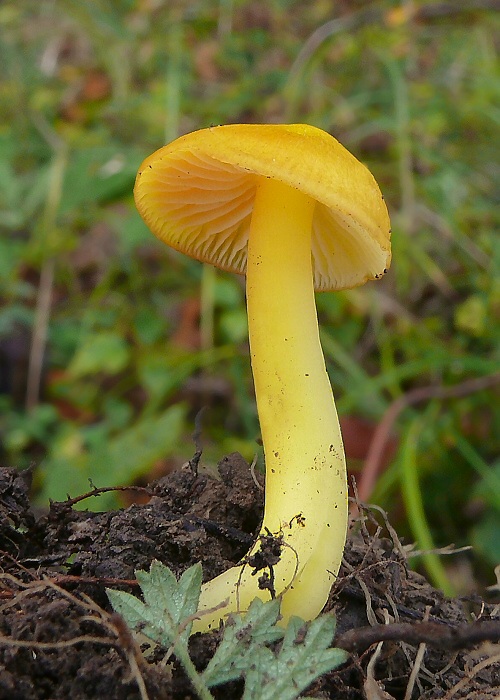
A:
196, 194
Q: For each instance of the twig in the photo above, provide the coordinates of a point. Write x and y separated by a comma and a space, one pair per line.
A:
198, 430
381, 435
39, 337
117, 624
470, 675
33, 644
97, 492
416, 665
217, 530
436, 635
64, 580
44, 294
254, 476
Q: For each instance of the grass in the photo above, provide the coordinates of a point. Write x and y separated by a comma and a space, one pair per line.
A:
98, 337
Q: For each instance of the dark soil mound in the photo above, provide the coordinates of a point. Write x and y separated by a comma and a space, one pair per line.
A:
59, 638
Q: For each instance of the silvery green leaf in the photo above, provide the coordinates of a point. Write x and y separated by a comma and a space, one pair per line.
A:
168, 603
244, 641
304, 656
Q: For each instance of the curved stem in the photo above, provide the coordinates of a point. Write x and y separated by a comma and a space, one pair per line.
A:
306, 484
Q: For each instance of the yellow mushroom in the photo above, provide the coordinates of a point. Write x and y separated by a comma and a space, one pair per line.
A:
291, 208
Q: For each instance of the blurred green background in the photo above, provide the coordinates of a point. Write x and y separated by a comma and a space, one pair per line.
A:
110, 344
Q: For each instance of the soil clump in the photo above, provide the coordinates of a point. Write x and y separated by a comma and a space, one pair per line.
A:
59, 638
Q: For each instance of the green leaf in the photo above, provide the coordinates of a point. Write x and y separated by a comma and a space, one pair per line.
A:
485, 537
129, 607
149, 326
244, 636
168, 603
471, 315
135, 450
299, 662
169, 598
244, 652
102, 352
97, 174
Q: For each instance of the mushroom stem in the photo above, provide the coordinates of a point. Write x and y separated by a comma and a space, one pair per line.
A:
306, 483
305, 463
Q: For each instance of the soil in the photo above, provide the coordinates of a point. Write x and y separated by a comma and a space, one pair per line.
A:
60, 639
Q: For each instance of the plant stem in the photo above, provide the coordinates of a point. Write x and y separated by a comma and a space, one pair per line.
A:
197, 682
415, 509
